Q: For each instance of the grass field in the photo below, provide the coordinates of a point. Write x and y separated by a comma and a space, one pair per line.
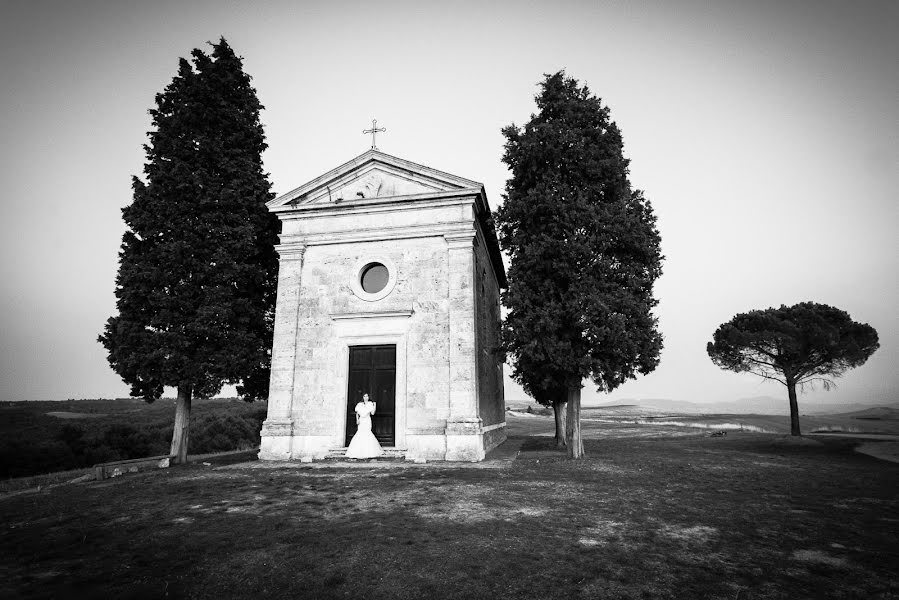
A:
44, 437
655, 511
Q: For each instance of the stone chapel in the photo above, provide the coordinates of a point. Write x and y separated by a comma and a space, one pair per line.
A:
389, 282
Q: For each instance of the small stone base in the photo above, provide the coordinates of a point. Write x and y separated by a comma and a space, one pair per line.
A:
390, 453
464, 440
276, 439
120, 467
465, 448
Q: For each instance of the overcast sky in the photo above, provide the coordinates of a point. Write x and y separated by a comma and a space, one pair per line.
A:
766, 135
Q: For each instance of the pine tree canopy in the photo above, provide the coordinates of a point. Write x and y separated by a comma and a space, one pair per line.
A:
197, 266
797, 344
584, 248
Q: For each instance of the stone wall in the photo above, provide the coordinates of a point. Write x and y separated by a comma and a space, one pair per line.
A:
490, 375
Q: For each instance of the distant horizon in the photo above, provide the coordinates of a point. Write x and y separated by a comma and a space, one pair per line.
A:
769, 402
761, 404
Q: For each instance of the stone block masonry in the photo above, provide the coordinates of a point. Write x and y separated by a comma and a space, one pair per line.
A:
438, 311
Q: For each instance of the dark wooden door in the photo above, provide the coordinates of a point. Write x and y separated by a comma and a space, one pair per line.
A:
373, 372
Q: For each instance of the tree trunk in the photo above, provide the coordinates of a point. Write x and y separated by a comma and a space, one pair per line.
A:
181, 433
559, 408
794, 408
573, 423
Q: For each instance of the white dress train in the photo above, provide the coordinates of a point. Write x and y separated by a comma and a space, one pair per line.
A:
364, 444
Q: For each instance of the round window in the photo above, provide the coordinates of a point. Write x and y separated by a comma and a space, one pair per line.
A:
374, 278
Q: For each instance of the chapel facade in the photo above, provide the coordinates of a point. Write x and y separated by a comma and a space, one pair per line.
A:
389, 282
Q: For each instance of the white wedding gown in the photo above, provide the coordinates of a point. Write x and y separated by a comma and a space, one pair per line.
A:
364, 444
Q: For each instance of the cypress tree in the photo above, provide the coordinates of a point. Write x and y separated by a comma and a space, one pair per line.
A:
197, 267
584, 250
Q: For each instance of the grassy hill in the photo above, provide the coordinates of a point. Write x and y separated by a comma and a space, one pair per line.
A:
879, 413
761, 423
653, 512
41, 437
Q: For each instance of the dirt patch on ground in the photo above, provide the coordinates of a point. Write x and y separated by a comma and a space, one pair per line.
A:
794, 440
602, 533
61, 414
819, 558
698, 534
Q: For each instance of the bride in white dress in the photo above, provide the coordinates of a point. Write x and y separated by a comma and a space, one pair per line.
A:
364, 444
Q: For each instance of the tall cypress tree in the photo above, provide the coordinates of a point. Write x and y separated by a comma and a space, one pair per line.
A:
584, 250
197, 267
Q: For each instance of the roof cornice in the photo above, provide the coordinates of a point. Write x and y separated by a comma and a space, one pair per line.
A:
373, 156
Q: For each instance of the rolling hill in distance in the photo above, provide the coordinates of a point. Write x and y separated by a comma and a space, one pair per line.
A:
758, 405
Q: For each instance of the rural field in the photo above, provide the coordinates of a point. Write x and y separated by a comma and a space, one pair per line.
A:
45, 437
660, 508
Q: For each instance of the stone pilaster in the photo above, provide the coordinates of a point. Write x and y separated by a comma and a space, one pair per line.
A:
277, 430
463, 427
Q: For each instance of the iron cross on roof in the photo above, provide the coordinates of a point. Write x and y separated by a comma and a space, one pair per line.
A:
373, 131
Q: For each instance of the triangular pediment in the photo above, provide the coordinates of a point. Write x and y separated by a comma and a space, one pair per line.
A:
373, 175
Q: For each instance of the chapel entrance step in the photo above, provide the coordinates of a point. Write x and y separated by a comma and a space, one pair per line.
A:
389, 454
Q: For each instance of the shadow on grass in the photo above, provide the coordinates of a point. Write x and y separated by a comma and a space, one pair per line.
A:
743, 516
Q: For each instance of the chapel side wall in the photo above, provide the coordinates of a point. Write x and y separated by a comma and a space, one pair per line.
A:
490, 375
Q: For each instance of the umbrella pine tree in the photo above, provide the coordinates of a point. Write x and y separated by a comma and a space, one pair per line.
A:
797, 345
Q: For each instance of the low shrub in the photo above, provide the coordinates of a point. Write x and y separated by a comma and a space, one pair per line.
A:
220, 434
